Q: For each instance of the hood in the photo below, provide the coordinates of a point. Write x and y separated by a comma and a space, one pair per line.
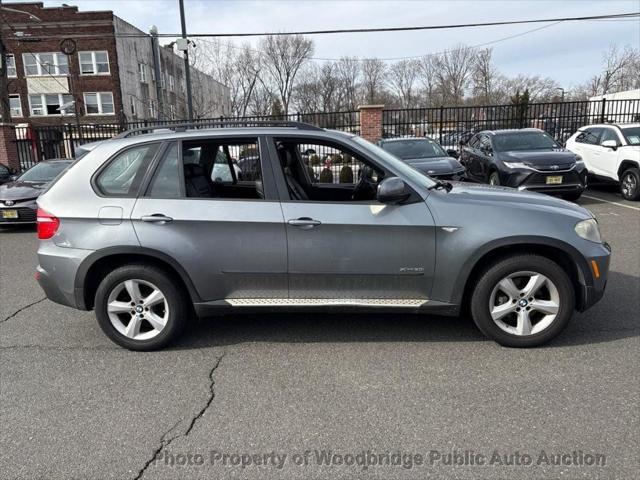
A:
435, 165
18, 190
478, 193
540, 158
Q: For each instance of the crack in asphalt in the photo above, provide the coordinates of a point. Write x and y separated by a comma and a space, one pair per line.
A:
22, 309
164, 442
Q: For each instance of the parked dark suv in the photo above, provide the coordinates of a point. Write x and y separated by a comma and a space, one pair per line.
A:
149, 227
526, 159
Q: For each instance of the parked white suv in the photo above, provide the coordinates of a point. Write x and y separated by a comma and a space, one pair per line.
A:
611, 152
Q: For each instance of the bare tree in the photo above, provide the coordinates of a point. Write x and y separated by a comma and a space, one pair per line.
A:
402, 78
426, 71
621, 71
486, 79
283, 55
540, 88
374, 73
348, 73
452, 72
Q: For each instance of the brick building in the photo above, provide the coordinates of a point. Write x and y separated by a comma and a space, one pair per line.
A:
108, 78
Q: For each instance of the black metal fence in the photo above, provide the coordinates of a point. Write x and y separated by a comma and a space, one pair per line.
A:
36, 143
446, 124
560, 119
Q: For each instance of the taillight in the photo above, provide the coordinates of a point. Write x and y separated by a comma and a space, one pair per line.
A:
47, 225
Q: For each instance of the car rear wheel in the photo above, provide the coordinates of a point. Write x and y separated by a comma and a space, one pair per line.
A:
494, 178
140, 307
523, 301
630, 184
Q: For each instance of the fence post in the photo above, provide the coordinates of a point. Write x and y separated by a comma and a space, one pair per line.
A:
71, 151
441, 123
9, 146
371, 122
604, 106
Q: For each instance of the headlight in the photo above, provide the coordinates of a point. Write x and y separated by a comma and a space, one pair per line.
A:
516, 165
588, 229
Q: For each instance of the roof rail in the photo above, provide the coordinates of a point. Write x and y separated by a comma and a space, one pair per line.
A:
182, 127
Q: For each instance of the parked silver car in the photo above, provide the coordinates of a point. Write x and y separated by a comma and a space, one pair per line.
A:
146, 233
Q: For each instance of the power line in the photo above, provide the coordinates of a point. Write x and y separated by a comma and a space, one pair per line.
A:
412, 57
628, 15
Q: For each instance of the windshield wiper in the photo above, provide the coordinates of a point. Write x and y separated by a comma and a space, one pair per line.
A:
441, 184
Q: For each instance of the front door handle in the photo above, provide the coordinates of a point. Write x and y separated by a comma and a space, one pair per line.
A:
304, 222
156, 218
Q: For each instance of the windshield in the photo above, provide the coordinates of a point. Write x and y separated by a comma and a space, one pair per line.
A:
398, 165
508, 142
409, 149
632, 134
44, 172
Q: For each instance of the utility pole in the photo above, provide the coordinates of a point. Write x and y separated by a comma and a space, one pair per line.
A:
187, 73
155, 50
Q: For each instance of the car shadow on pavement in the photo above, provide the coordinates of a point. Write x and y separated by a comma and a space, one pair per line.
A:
25, 228
611, 319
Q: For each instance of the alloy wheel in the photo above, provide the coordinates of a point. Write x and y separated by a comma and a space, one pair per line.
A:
629, 185
137, 309
524, 303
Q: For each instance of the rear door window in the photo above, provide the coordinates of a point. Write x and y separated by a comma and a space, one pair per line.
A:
167, 181
123, 175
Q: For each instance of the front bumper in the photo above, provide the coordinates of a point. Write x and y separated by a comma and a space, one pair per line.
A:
453, 176
26, 214
593, 289
572, 181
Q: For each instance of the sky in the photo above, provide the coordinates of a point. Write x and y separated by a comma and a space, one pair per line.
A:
570, 52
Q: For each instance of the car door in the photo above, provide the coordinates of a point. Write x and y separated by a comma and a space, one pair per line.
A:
485, 157
471, 158
607, 156
587, 146
356, 252
231, 246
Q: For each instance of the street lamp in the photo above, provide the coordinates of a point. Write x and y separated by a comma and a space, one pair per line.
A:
562, 95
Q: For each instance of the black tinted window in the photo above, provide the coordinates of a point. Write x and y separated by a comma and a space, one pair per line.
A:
166, 181
590, 136
123, 174
506, 142
408, 149
44, 172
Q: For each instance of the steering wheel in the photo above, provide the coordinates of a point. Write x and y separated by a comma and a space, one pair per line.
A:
366, 187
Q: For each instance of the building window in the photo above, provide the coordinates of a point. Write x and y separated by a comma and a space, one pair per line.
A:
152, 110
49, 104
11, 66
163, 81
142, 72
133, 106
94, 63
99, 103
172, 111
40, 64
15, 106
171, 82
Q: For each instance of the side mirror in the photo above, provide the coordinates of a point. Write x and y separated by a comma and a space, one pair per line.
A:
452, 153
610, 144
13, 178
392, 190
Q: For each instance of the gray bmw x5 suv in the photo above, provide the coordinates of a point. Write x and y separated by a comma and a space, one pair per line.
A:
153, 227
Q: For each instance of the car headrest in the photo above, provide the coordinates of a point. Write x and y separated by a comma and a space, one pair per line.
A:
193, 170
286, 159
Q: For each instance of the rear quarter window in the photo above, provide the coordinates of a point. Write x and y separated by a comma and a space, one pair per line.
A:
123, 174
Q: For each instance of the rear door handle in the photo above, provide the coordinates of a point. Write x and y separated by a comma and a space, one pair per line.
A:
304, 222
156, 218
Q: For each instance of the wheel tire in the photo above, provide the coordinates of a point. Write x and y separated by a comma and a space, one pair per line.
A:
494, 178
176, 301
630, 192
489, 279
572, 197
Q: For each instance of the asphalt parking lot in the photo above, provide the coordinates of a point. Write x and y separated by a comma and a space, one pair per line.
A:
243, 390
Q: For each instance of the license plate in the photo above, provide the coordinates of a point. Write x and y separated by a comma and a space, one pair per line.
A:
9, 214
554, 180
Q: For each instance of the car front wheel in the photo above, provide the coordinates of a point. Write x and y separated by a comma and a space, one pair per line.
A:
523, 301
630, 184
140, 307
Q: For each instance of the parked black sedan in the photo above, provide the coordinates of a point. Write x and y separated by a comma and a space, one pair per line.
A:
526, 159
425, 155
18, 197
